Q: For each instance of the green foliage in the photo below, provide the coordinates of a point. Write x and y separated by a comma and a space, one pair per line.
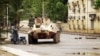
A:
32, 7
97, 4
14, 7
56, 10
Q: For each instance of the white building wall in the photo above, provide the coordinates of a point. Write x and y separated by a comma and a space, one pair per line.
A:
89, 9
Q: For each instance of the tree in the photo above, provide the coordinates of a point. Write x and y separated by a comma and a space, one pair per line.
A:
15, 10
15, 7
97, 4
56, 9
33, 7
2, 5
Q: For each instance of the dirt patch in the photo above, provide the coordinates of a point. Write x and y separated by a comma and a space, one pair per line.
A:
5, 53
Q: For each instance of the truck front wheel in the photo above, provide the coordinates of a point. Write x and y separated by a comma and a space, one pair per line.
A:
35, 41
56, 38
30, 39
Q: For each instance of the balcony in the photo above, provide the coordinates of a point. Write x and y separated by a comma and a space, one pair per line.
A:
92, 16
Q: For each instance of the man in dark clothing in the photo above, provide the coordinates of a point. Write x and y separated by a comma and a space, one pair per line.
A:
15, 35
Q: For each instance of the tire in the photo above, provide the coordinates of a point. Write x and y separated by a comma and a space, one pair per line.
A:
35, 41
30, 39
56, 38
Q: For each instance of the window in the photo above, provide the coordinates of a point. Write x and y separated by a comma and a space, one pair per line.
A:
70, 17
74, 27
74, 10
78, 24
83, 17
83, 5
69, 26
79, 10
78, 5
98, 18
79, 17
82, 1
92, 25
37, 26
69, 7
83, 25
84, 10
92, 16
77, 2
72, 3
74, 17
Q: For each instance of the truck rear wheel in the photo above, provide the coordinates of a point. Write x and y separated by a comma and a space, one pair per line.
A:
56, 38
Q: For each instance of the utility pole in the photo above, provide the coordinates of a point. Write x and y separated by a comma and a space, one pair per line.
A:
7, 20
7, 15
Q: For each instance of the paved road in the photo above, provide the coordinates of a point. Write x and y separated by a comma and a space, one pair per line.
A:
69, 46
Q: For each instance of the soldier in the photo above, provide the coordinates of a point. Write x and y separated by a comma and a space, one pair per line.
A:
31, 21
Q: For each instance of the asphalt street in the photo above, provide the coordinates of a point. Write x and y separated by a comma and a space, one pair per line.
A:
70, 45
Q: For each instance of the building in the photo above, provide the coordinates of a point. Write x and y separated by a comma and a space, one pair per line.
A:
83, 17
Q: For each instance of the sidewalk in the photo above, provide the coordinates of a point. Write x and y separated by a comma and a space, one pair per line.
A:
17, 52
82, 34
5, 53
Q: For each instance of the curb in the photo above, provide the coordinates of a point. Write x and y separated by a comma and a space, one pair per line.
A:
18, 52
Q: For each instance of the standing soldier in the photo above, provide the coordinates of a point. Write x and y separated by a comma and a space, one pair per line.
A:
31, 21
